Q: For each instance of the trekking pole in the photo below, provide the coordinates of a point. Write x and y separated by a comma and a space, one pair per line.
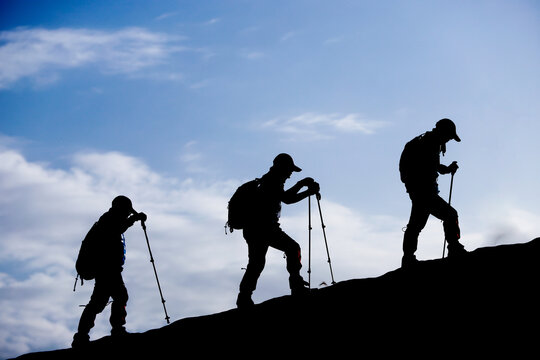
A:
449, 202
318, 195
155, 272
309, 241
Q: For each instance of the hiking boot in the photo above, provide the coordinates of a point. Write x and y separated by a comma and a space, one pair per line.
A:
299, 286
300, 291
119, 331
456, 250
80, 340
408, 261
244, 301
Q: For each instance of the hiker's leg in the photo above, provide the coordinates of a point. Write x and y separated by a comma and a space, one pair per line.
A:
118, 308
442, 210
257, 249
417, 221
281, 241
98, 301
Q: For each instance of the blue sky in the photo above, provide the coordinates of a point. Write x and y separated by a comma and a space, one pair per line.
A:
176, 103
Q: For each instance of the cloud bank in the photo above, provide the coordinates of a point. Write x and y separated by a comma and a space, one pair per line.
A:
316, 126
39, 53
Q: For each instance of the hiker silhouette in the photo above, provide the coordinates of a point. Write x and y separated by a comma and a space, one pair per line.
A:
105, 255
419, 168
263, 229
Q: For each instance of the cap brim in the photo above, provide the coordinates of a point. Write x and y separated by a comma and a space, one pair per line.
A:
296, 168
457, 138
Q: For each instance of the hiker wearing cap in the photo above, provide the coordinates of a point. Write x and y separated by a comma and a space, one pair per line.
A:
419, 168
264, 230
108, 243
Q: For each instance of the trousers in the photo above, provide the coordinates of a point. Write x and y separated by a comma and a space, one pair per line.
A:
423, 205
258, 241
106, 286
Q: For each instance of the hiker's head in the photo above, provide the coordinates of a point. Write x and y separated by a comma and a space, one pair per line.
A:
284, 164
446, 130
122, 205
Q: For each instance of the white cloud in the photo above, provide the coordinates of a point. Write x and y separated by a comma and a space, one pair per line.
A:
40, 53
252, 55
334, 40
212, 21
315, 126
289, 35
166, 16
192, 159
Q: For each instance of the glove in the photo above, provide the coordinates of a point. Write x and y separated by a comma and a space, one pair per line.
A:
314, 188
141, 216
453, 167
306, 181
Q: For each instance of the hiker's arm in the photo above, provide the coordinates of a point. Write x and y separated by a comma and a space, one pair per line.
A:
131, 220
126, 224
452, 168
293, 195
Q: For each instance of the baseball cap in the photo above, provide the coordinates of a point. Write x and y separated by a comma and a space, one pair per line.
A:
285, 161
447, 126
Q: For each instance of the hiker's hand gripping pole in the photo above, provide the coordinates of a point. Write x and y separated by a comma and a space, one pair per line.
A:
155, 272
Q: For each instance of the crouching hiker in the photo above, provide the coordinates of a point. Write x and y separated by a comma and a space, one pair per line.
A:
101, 257
262, 229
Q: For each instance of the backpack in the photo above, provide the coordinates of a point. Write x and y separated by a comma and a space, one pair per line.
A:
242, 205
87, 260
408, 162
